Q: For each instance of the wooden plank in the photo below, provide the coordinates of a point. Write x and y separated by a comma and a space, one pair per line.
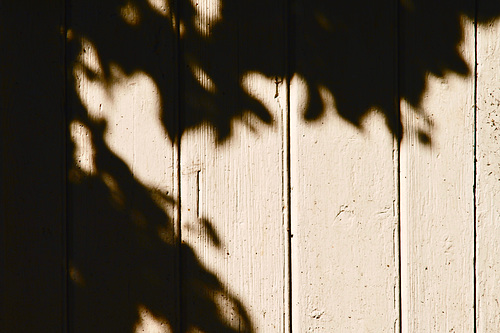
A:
232, 161
32, 183
488, 175
437, 203
343, 169
123, 235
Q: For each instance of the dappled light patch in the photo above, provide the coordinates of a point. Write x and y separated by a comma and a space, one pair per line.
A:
264, 89
182, 29
76, 276
116, 194
83, 154
130, 98
327, 98
356, 62
299, 95
130, 13
133, 126
208, 14
271, 93
147, 74
88, 58
148, 323
202, 77
162, 7
128, 208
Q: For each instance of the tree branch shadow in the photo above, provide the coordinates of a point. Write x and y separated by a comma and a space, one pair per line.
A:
123, 251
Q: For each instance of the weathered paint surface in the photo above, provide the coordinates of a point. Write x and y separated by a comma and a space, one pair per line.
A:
343, 181
231, 188
344, 268
437, 203
206, 194
122, 177
488, 178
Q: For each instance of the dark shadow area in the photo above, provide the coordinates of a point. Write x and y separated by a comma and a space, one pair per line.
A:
353, 49
124, 256
122, 251
32, 146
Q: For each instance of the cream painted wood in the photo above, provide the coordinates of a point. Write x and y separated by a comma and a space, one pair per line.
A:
122, 180
234, 190
343, 184
437, 204
344, 223
133, 265
232, 194
488, 177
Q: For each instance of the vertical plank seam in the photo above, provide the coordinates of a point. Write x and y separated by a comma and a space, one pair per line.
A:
398, 164
475, 304
177, 157
287, 193
65, 197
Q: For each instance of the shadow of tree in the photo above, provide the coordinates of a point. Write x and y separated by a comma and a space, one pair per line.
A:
118, 259
124, 257
356, 50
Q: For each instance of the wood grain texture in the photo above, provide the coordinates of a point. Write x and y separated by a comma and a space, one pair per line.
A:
122, 170
232, 168
437, 197
343, 172
192, 186
488, 177
344, 251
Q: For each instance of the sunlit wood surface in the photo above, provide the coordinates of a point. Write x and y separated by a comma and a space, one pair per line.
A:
250, 166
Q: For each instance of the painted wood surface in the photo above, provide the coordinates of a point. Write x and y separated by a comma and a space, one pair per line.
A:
437, 194
232, 166
123, 237
344, 245
488, 176
343, 186
250, 166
